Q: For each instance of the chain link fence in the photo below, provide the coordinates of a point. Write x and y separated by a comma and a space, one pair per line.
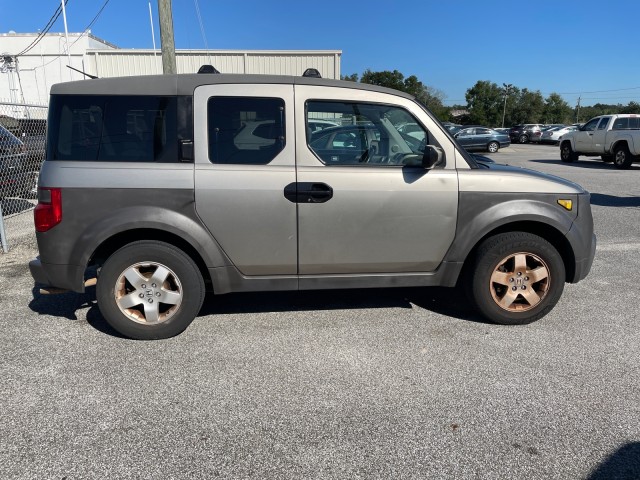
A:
23, 130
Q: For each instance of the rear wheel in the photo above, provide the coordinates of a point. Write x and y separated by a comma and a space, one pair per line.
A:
517, 279
567, 154
493, 147
622, 158
149, 290
523, 139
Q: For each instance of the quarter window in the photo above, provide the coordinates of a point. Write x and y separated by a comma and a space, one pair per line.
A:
245, 130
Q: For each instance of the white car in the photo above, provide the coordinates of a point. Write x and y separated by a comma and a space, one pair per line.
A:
554, 134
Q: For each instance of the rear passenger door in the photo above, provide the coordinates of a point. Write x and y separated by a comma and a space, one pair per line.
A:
244, 159
599, 135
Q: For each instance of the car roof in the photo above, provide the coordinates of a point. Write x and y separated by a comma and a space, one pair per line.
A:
185, 84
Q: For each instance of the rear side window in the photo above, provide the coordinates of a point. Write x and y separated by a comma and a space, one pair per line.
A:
245, 130
113, 128
625, 123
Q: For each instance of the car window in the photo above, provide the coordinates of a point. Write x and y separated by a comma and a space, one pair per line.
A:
367, 134
245, 130
603, 123
590, 126
483, 131
113, 128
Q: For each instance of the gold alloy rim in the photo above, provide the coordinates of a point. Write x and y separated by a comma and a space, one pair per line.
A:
148, 293
520, 282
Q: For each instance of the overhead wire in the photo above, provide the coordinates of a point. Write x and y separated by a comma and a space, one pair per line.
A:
84, 33
45, 30
204, 36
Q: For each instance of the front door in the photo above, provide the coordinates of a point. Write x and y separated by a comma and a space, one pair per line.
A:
366, 206
584, 136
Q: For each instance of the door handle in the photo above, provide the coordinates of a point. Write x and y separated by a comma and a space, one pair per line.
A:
308, 192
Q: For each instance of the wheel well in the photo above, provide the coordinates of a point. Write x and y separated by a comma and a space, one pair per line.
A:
549, 233
109, 246
618, 143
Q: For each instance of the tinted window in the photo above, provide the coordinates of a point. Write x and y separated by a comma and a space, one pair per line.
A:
113, 128
591, 125
626, 123
603, 123
245, 130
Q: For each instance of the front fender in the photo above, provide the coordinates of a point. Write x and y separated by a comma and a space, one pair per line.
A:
480, 213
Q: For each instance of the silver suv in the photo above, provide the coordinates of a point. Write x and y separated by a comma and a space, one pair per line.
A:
169, 186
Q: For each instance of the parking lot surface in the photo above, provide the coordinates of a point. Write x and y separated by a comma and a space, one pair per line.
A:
407, 383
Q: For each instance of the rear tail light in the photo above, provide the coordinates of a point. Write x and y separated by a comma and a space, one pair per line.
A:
48, 212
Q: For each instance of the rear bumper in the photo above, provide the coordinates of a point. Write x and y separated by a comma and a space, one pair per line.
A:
66, 277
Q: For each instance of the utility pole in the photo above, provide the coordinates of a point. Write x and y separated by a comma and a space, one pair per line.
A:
166, 37
507, 87
578, 110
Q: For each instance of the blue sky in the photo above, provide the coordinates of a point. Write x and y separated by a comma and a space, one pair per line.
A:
576, 48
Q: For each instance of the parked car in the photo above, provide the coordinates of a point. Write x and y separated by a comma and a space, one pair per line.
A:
614, 138
16, 180
356, 206
482, 138
554, 134
522, 133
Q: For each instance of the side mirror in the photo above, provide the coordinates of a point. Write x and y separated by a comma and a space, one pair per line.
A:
433, 156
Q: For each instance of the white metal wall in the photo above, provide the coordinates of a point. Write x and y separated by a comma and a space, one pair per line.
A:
117, 63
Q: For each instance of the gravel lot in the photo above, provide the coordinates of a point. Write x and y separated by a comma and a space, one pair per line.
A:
348, 384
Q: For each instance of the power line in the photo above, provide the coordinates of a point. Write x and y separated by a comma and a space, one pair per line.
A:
84, 33
45, 30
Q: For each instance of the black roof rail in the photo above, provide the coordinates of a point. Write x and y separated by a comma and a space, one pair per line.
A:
208, 69
312, 72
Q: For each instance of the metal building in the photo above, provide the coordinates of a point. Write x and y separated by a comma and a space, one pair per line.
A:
27, 78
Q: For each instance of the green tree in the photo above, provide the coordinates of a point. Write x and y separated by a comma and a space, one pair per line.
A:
350, 78
485, 103
429, 96
528, 108
633, 107
556, 110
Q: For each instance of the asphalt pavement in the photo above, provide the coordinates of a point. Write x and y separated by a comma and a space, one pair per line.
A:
407, 383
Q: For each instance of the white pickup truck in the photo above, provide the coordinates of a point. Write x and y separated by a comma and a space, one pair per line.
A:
615, 138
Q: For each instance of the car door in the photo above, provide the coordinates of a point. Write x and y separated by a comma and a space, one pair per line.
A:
371, 212
244, 158
599, 136
482, 138
584, 137
466, 137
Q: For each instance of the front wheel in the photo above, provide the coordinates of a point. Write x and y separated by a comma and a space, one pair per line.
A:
493, 147
149, 290
622, 157
518, 278
567, 154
